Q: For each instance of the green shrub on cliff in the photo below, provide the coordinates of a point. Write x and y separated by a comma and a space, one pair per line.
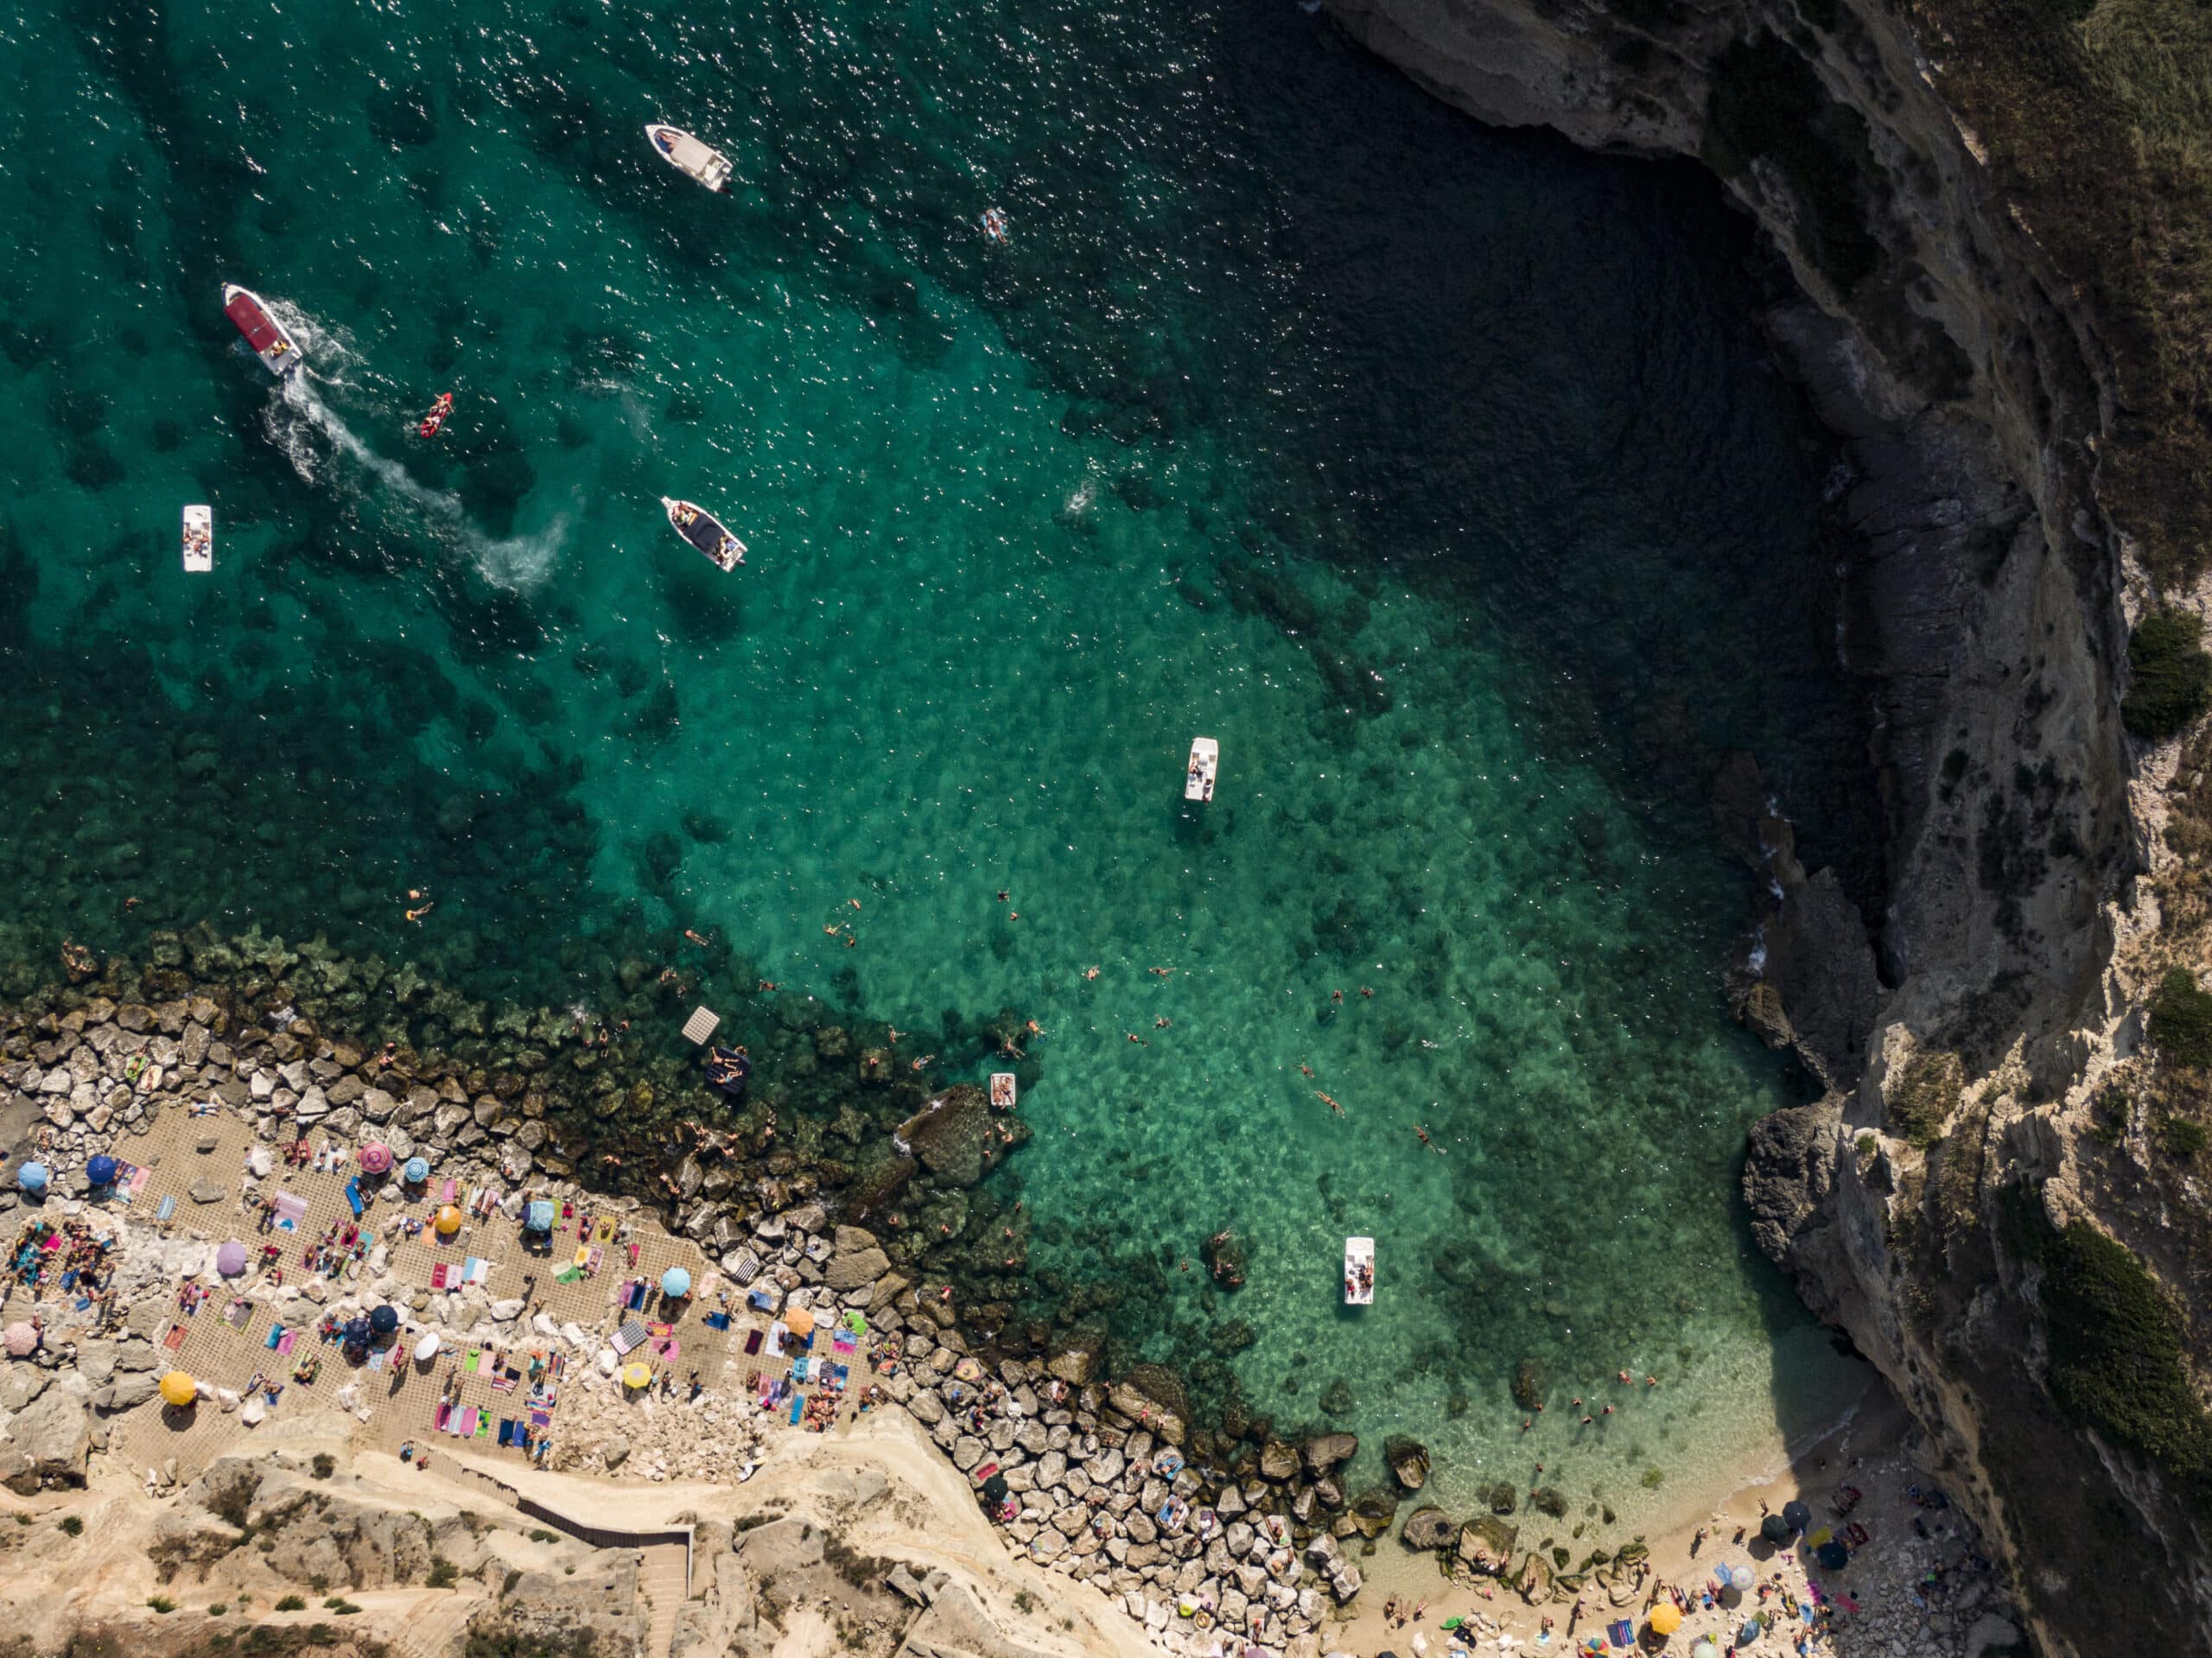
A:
2181, 1018
1924, 1097
2116, 1352
2169, 675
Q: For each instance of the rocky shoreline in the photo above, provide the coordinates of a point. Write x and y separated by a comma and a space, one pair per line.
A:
1192, 1525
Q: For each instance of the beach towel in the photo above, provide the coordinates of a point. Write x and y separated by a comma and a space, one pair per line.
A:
843, 1343
717, 1321
595, 1260
353, 1196
541, 1419
438, 1276
290, 1206
240, 1313
1622, 1632
800, 1370
637, 1302
276, 1334
475, 1357
628, 1336
451, 1187
289, 1340
480, 1270
441, 1416
174, 1340
484, 1425
376, 1359
506, 1430
569, 1275
798, 1405
167, 1208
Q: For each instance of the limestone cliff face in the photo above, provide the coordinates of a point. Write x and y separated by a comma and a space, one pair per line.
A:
1963, 1032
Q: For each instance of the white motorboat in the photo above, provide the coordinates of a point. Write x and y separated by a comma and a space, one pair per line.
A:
278, 351
199, 540
1359, 1271
1205, 766
688, 155
704, 531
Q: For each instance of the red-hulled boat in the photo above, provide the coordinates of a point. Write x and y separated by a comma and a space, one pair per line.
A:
279, 353
437, 417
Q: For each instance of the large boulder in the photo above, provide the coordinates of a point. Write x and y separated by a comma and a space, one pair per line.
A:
1327, 1450
1486, 1544
1278, 1460
1528, 1384
1075, 1357
1136, 1396
850, 1268
952, 1135
1407, 1461
47, 1441
1428, 1528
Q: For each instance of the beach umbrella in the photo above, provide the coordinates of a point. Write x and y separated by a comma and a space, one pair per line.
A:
675, 1283
384, 1320
427, 1348
1775, 1529
1665, 1617
230, 1259
1833, 1556
32, 1178
178, 1389
448, 1221
540, 1216
1796, 1515
1750, 1631
1704, 1648
376, 1158
415, 1172
100, 1170
636, 1375
21, 1339
801, 1321
356, 1329
994, 1489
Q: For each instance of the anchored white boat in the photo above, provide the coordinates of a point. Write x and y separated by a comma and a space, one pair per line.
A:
1003, 1093
279, 353
199, 540
704, 531
1205, 766
1359, 1271
688, 155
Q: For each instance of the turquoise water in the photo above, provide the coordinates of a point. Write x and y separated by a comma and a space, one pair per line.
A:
1438, 475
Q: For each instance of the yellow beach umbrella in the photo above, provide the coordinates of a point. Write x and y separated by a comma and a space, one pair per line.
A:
635, 1374
178, 1389
448, 1221
800, 1319
1665, 1617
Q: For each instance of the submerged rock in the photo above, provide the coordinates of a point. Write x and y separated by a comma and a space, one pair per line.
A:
951, 1135
1427, 1528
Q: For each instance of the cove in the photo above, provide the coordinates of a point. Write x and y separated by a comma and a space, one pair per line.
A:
1439, 475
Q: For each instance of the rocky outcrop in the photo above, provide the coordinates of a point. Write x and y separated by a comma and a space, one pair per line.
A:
1977, 605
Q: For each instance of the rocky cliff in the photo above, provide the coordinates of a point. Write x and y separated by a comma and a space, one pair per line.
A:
1968, 1202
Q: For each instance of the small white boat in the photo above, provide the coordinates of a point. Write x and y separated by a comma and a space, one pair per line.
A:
1205, 766
704, 531
1002, 1089
199, 540
1359, 1271
687, 155
279, 353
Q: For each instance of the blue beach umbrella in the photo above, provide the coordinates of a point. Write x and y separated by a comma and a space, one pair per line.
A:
415, 1172
100, 1171
32, 1177
676, 1282
384, 1320
540, 1218
356, 1331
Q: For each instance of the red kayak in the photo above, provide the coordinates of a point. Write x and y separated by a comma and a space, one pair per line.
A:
437, 417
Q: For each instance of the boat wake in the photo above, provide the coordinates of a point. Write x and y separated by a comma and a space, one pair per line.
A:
309, 431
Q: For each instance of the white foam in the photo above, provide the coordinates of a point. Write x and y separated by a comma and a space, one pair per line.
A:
517, 562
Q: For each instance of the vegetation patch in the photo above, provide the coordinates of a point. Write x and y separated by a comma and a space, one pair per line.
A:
2116, 1348
1924, 1097
2181, 1018
2169, 675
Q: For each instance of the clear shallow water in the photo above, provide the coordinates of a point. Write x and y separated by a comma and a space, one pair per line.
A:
1433, 472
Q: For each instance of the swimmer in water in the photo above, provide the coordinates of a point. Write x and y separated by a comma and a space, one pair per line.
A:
416, 915
769, 985
1331, 1103
693, 937
1088, 974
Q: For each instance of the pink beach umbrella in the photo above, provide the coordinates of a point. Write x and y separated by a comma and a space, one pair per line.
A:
376, 1158
230, 1260
22, 1340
